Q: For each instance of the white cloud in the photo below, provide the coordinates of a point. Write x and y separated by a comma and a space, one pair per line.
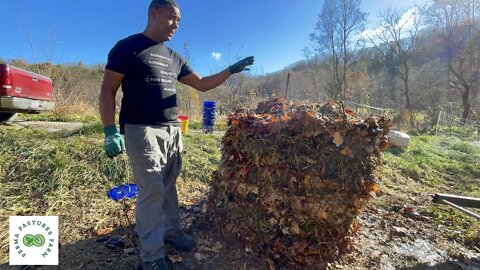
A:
369, 33
405, 23
408, 19
216, 56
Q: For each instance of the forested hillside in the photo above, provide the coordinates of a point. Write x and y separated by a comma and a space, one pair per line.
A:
417, 70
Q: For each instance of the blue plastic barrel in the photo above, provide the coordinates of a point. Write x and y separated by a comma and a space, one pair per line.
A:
209, 108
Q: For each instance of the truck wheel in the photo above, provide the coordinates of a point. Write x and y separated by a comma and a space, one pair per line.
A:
5, 116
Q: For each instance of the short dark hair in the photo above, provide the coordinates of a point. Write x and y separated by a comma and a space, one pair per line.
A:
160, 3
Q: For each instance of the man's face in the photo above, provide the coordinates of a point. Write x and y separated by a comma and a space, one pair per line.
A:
166, 20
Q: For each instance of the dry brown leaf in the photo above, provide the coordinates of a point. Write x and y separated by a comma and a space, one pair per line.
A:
217, 247
294, 228
359, 202
175, 258
346, 152
104, 231
321, 214
272, 221
295, 204
253, 189
337, 139
204, 208
374, 188
242, 189
271, 264
307, 182
350, 112
242, 173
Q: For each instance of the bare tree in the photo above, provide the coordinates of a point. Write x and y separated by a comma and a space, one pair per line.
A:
395, 40
336, 31
66, 89
313, 62
379, 95
234, 93
263, 81
454, 21
42, 54
187, 97
430, 79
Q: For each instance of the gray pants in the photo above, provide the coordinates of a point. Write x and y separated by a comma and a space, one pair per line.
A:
155, 157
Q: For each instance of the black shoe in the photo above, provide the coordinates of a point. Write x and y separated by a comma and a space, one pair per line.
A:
181, 241
159, 264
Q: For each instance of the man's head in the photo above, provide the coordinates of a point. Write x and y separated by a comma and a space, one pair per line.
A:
160, 3
163, 20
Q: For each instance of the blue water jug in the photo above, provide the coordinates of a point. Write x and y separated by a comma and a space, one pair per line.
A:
209, 108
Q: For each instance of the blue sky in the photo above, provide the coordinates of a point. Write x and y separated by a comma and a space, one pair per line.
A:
274, 31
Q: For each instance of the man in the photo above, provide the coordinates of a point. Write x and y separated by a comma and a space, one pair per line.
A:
148, 71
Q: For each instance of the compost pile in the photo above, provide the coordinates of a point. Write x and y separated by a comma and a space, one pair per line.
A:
293, 179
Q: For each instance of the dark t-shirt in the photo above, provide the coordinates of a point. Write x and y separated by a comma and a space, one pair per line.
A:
149, 87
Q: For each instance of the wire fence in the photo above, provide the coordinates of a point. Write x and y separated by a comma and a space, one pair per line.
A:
453, 126
363, 111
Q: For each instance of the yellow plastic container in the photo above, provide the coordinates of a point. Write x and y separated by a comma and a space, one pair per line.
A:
183, 123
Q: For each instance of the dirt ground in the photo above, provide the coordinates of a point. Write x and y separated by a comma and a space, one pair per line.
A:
392, 236
48, 126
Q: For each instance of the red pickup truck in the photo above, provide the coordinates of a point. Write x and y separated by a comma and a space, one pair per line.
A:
23, 91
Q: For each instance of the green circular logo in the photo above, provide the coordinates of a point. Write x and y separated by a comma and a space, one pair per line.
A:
34, 240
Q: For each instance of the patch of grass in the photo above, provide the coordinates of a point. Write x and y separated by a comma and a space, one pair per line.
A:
458, 225
464, 132
220, 123
472, 236
91, 128
52, 174
60, 117
436, 165
79, 112
431, 159
68, 175
464, 147
201, 156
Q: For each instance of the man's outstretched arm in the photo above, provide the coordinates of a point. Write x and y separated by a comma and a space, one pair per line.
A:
207, 83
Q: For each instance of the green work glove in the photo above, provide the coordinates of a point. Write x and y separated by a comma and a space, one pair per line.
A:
114, 143
241, 65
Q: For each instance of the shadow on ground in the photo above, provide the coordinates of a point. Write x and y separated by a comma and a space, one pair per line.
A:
106, 252
95, 253
119, 250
